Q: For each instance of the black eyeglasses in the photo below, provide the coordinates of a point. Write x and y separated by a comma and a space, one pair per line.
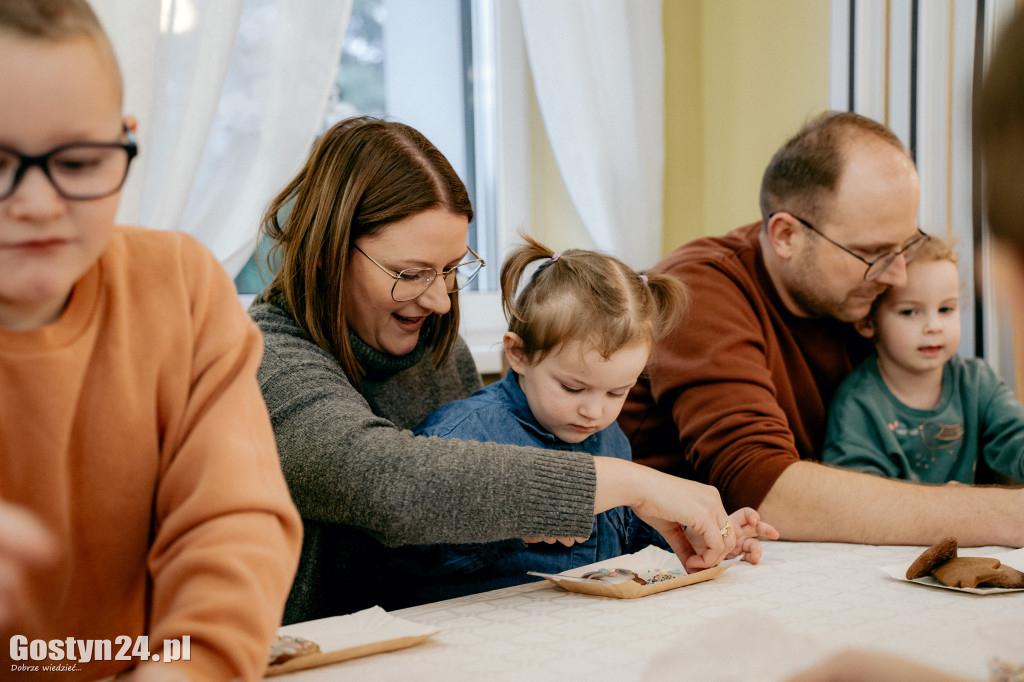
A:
413, 282
879, 265
80, 170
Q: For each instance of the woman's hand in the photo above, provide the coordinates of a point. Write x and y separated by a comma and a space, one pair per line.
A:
667, 503
25, 544
746, 526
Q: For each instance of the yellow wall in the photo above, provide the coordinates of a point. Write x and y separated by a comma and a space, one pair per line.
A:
740, 77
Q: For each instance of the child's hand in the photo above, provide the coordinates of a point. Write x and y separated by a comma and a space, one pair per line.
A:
25, 543
747, 526
568, 542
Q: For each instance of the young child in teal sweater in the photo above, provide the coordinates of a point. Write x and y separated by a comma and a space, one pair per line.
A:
916, 410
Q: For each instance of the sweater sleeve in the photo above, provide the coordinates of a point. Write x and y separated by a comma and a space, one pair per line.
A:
226, 534
712, 374
346, 465
1002, 415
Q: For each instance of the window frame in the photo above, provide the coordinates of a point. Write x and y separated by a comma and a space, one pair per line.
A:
504, 89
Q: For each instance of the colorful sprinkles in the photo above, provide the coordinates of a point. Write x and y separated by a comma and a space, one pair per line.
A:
661, 575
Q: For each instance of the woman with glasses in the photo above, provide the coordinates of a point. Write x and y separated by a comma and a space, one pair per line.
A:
360, 329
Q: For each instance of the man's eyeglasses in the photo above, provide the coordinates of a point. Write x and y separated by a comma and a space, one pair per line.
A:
414, 282
80, 170
879, 265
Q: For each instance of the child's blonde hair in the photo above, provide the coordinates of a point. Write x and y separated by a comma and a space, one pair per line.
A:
935, 249
586, 296
57, 21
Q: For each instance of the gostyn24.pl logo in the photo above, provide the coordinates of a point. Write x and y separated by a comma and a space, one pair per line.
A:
70, 651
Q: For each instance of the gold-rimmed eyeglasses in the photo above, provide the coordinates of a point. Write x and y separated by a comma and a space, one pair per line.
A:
413, 282
879, 265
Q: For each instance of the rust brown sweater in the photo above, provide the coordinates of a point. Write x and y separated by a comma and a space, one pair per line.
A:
739, 390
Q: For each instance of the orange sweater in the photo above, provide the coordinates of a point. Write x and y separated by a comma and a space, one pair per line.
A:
134, 427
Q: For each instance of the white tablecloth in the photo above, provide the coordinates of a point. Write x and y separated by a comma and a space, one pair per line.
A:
752, 623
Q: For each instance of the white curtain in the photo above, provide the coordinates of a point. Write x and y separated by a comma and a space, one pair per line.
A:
598, 70
229, 95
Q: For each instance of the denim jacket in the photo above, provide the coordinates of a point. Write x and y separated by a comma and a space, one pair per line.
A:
500, 413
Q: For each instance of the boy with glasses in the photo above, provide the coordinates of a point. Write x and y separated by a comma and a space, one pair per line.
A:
737, 394
141, 499
916, 410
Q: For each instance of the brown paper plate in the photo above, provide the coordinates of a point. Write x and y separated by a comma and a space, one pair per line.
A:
633, 590
341, 638
339, 655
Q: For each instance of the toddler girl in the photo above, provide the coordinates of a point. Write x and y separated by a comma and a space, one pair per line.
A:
580, 333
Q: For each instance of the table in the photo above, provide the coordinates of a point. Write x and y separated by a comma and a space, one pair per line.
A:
803, 601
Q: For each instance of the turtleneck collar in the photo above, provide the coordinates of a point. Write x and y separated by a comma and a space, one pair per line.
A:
380, 365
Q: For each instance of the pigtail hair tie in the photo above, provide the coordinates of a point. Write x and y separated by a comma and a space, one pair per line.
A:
555, 256
643, 278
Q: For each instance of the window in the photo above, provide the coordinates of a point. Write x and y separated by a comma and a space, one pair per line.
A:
415, 62
434, 66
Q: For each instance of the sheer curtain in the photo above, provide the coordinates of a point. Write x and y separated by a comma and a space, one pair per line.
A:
598, 72
920, 84
229, 95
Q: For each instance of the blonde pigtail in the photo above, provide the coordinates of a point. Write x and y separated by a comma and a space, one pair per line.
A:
671, 301
512, 271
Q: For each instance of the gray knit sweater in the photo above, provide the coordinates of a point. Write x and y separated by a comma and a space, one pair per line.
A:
363, 482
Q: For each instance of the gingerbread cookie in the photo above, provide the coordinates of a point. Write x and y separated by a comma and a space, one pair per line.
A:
286, 647
1008, 577
936, 555
967, 571
941, 562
